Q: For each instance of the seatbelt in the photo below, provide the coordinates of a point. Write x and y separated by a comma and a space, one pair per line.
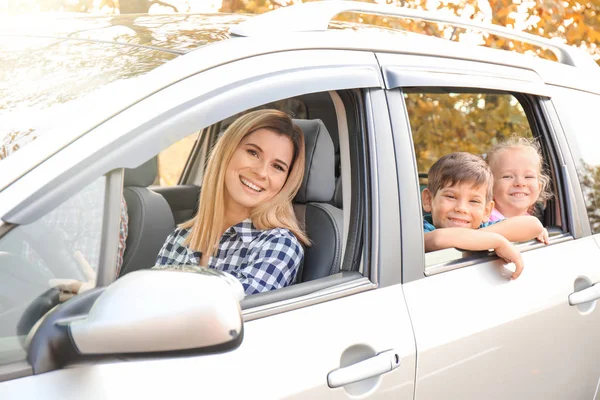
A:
300, 211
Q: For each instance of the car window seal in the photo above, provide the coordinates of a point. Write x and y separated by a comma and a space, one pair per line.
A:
476, 257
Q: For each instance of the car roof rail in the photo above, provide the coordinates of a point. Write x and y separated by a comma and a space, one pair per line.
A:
315, 16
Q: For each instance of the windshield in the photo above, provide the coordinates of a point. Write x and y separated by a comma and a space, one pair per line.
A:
41, 77
49, 64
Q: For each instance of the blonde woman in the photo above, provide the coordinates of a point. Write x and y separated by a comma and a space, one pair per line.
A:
245, 223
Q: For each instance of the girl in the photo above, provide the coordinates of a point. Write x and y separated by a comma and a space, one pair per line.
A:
520, 183
245, 223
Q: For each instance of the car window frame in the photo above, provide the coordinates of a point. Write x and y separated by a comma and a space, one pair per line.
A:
565, 134
417, 267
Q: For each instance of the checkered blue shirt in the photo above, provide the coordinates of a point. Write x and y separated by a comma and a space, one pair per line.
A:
260, 260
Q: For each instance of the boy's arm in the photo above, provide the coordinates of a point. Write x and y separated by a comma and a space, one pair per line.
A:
474, 240
462, 238
517, 229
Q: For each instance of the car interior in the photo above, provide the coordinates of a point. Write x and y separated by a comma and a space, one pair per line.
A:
155, 210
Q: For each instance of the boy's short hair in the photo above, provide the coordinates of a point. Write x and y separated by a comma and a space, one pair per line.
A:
459, 168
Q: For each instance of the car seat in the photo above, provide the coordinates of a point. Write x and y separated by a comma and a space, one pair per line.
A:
150, 218
322, 221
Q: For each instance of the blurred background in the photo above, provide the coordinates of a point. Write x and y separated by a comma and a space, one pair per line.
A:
576, 22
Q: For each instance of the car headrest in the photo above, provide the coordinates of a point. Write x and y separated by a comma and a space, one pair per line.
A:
144, 175
318, 184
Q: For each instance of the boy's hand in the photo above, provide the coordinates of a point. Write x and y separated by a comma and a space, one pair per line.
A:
510, 253
543, 237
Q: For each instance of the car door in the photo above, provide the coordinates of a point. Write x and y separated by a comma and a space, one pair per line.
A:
293, 348
479, 334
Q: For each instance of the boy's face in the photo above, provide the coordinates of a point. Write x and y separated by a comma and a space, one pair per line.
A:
459, 206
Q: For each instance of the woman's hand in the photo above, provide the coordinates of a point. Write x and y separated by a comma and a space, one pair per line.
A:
70, 287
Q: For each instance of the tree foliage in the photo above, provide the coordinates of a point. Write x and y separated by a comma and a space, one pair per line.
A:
571, 21
443, 123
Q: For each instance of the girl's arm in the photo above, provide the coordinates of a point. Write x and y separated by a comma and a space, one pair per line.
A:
517, 229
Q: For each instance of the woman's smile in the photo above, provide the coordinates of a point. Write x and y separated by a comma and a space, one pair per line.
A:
250, 185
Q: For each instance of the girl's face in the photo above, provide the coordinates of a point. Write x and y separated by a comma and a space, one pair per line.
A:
516, 180
257, 171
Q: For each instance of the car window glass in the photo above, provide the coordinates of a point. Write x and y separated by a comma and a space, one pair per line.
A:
53, 247
578, 116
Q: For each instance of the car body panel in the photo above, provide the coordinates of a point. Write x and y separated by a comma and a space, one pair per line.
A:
283, 356
508, 337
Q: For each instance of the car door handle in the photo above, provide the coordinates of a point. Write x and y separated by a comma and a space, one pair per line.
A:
583, 296
377, 365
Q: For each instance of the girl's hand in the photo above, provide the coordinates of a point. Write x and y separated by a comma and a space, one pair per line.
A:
543, 237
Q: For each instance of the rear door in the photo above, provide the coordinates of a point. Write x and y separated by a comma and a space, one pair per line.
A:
478, 334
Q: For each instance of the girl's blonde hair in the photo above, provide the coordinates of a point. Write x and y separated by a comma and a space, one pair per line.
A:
277, 212
519, 142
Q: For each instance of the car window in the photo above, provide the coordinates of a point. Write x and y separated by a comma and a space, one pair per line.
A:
319, 261
577, 111
53, 247
446, 121
298, 109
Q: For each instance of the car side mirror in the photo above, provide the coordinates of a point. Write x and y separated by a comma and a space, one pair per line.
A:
162, 310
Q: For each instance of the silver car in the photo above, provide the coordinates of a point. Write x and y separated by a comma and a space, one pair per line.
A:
98, 110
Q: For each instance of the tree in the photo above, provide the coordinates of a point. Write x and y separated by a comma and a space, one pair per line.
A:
575, 22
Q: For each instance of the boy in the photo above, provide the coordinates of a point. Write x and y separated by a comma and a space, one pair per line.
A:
459, 198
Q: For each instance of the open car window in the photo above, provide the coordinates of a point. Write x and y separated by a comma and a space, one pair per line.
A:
447, 120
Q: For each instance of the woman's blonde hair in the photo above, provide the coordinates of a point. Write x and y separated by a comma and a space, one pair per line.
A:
519, 142
277, 212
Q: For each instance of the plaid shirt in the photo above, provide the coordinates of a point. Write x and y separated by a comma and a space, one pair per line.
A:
260, 260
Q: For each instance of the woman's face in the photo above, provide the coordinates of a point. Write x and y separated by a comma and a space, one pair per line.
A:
257, 171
